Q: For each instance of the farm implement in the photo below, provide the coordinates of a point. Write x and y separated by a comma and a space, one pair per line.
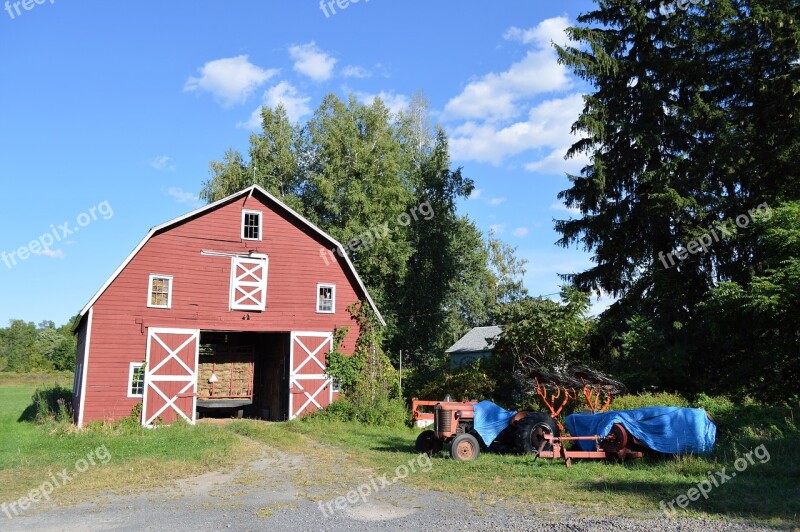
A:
470, 427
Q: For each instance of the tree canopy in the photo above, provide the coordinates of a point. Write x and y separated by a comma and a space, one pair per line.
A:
355, 168
692, 123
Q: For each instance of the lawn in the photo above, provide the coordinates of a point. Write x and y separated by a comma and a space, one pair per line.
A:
768, 492
139, 458
349, 454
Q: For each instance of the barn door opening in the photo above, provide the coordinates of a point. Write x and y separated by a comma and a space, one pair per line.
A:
170, 379
309, 387
243, 374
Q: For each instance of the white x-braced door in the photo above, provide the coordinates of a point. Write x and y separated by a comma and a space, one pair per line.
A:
249, 283
170, 378
309, 386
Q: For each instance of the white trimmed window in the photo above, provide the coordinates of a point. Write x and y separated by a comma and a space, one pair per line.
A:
136, 380
251, 225
326, 298
336, 384
160, 295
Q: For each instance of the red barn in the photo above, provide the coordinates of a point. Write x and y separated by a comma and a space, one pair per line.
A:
245, 288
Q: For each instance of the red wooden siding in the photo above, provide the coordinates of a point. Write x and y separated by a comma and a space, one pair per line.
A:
201, 292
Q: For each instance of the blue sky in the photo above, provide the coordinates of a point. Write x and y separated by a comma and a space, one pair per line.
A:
111, 112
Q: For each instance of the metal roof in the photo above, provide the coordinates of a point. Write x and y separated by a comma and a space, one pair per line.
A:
476, 340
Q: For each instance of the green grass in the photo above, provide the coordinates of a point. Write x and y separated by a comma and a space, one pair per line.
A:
768, 492
350, 454
140, 458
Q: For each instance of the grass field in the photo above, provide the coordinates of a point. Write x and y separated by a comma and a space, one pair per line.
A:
139, 458
768, 492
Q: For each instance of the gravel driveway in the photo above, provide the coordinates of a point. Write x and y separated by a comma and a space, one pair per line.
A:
276, 493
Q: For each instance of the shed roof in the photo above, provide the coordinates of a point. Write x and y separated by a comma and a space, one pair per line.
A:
476, 340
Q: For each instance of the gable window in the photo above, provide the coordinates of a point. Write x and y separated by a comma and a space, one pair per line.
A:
251, 225
160, 291
136, 380
326, 298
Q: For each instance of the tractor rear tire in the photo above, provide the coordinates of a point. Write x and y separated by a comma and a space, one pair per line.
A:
428, 443
531, 430
465, 448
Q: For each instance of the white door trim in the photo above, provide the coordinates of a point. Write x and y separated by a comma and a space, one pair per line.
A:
190, 378
295, 378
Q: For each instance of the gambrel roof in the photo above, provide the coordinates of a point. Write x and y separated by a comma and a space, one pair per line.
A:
202, 210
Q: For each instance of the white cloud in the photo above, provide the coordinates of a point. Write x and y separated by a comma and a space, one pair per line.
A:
51, 253
558, 206
496, 96
554, 163
232, 80
395, 102
547, 127
497, 229
284, 93
163, 162
521, 231
183, 196
476, 193
310, 60
494, 202
352, 71
549, 30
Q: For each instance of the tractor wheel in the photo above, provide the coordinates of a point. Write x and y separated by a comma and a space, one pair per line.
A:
428, 443
529, 437
465, 447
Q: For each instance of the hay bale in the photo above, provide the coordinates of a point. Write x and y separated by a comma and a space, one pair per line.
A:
234, 368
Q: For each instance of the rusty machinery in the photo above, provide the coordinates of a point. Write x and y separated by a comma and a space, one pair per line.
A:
531, 432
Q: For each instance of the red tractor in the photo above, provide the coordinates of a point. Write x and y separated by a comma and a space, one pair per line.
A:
454, 423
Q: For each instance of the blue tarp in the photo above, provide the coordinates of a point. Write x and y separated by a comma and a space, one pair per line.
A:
490, 420
670, 430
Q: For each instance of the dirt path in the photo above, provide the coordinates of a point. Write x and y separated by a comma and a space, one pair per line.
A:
279, 491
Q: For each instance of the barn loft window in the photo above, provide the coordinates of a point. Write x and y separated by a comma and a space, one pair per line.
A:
249, 283
136, 380
160, 291
326, 298
251, 225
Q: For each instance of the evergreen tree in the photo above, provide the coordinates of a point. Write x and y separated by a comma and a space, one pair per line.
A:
692, 121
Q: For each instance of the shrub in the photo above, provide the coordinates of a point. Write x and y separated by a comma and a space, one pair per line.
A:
50, 405
370, 385
715, 406
630, 402
472, 381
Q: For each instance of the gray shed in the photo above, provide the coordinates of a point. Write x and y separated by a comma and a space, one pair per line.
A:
477, 343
